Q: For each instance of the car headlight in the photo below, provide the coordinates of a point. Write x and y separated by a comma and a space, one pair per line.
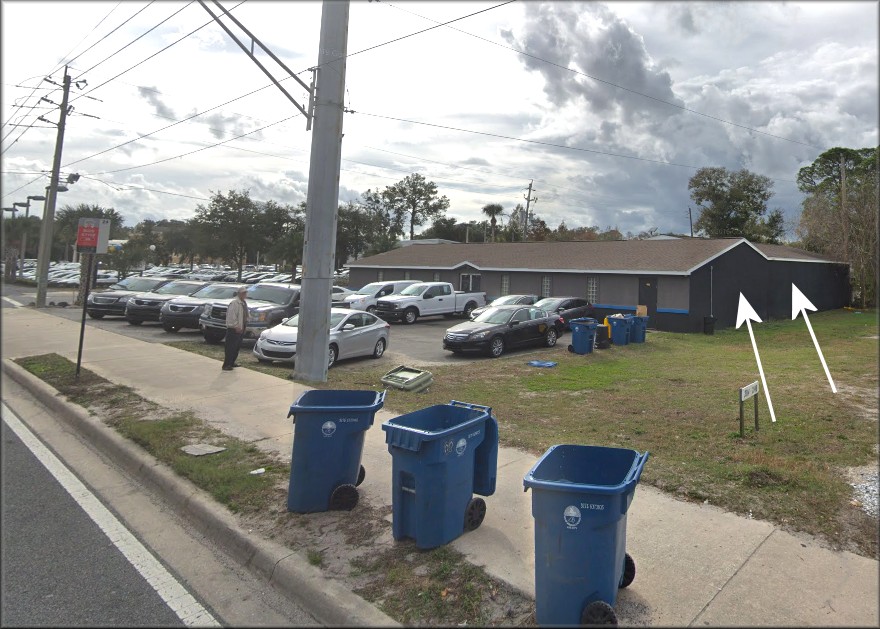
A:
476, 336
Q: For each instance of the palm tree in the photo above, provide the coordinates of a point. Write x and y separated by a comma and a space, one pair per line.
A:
493, 211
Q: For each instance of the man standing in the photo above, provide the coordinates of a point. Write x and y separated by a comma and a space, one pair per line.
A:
236, 323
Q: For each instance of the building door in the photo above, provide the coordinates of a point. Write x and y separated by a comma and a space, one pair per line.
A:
648, 294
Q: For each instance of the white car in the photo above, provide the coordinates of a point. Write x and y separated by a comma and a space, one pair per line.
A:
352, 333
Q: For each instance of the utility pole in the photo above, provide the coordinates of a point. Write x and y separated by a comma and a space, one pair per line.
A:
45, 250
322, 201
844, 223
529, 200
691, 221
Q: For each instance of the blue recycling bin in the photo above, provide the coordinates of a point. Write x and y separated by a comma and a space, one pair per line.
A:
620, 327
638, 329
441, 455
328, 441
580, 496
583, 335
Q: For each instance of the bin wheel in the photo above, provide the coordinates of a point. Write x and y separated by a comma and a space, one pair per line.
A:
344, 498
571, 348
362, 474
474, 514
629, 571
598, 613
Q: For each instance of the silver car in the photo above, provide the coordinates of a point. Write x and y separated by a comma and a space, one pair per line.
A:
352, 333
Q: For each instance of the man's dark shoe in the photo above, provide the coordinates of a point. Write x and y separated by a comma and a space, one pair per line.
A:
236, 365
227, 368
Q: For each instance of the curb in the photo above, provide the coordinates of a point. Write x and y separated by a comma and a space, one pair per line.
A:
287, 570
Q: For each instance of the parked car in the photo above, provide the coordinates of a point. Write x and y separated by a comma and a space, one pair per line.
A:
500, 328
338, 295
366, 297
112, 302
268, 304
184, 312
567, 307
146, 306
352, 333
525, 300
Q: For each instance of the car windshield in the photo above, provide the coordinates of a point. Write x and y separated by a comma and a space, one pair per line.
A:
274, 294
139, 284
370, 289
507, 299
413, 289
335, 319
494, 315
217, 291
173, 288
548, 303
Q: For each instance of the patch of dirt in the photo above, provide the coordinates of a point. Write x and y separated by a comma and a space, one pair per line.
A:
862, 399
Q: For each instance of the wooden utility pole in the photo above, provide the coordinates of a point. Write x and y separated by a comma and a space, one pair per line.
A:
44, 252
529, 200
322, 201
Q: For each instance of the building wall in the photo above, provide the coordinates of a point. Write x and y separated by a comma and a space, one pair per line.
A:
618, 290
673, 292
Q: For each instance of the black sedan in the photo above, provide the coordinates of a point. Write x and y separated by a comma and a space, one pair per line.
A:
184, 312
503, 327
568, 308
524, 300
112, 302
147, 306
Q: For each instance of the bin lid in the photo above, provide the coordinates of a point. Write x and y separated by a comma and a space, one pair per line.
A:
586, 469
337, 400
409, 431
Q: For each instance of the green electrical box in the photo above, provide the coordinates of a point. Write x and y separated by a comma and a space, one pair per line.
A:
408, 378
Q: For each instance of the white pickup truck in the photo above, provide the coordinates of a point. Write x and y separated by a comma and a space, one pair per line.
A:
427, 299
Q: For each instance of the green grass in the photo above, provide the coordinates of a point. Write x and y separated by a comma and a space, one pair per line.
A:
676, 396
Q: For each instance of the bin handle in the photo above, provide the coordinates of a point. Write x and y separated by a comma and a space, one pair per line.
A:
488, 409
636, 472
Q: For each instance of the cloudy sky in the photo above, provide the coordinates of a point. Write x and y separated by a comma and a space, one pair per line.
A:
608, 108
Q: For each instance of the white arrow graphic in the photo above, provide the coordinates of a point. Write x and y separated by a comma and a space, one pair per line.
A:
746, 313
799, 303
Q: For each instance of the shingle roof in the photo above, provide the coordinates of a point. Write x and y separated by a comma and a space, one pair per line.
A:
678, 256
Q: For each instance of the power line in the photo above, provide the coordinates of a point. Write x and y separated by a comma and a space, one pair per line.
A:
110, 33
62, 63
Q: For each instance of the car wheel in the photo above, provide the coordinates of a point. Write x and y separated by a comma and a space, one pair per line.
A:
471, 306
379, 349
550, 339
168, 327
410, 316
134, 321
263, 361
371, 309
96, 315
332, 355
496, 347
212, 337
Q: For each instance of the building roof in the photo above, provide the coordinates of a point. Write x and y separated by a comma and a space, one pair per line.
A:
667, 257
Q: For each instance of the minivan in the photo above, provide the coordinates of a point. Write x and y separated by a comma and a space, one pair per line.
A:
366, 297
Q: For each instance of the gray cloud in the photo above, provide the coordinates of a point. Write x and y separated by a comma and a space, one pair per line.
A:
151, 95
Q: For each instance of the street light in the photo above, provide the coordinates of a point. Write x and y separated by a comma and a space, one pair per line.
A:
6, 259
24, 233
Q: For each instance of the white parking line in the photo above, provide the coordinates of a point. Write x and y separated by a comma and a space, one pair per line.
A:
13, 302
181, 602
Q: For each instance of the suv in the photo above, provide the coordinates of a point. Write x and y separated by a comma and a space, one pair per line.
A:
366, 297
184, 312
268, 304
112, 302
146, 306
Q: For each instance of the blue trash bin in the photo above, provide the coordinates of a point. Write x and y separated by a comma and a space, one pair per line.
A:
441, 455
583, 335
328, 440
580, 496
639, 329
620, 327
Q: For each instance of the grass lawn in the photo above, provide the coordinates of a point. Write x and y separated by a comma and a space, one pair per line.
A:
677, 397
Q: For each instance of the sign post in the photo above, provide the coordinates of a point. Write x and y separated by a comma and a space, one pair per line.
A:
745, 393
92, 235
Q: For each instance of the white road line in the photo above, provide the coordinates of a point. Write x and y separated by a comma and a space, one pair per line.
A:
190, 612
13, 302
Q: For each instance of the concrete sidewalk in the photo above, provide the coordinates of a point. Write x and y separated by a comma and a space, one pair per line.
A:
696, 564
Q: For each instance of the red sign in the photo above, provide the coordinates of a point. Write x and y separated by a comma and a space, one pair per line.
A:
87, 236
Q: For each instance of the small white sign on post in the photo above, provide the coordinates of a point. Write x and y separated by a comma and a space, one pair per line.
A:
748, 391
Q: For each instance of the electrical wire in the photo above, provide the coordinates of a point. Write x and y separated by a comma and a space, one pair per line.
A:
110, 33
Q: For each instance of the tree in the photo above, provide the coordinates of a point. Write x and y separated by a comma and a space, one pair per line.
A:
494, 211
414, 200
230, 222
446, 228
734, 204
839, 216
67, 223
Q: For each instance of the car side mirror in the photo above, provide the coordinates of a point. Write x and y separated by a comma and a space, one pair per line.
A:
285, 319
427, 296
513, 323
348, 326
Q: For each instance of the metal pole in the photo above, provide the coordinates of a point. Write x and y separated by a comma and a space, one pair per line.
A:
45, 250
322, 202
24, 235
82, 325
756, 413
742, 423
